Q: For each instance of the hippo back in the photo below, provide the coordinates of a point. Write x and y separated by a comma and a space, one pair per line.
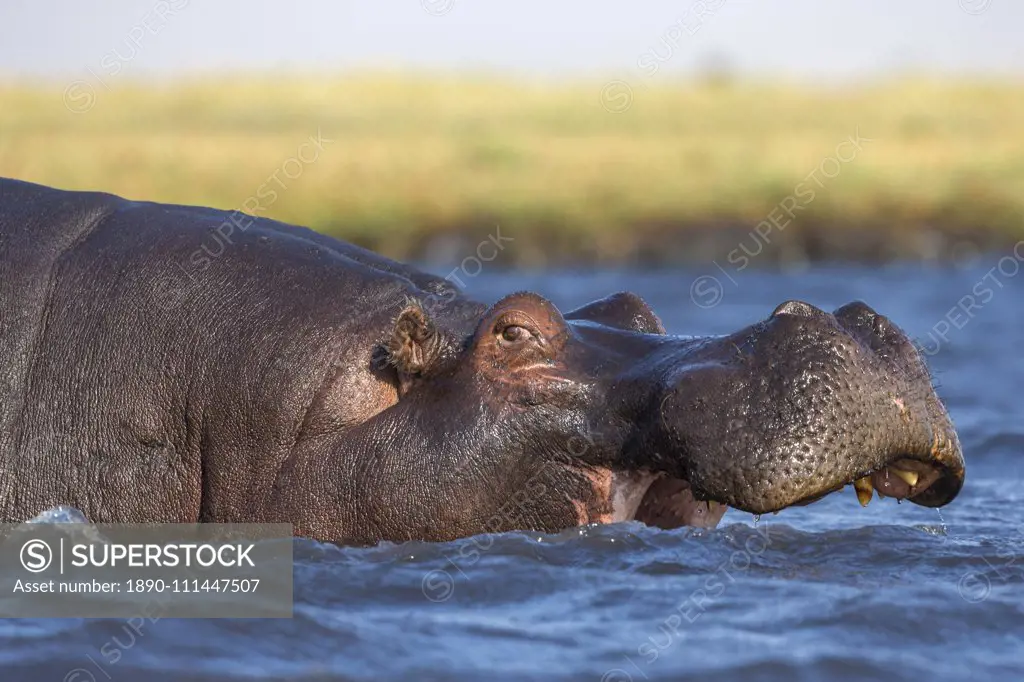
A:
158, 363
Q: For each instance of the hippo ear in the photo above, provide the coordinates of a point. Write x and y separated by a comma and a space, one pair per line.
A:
414, 343
624, 310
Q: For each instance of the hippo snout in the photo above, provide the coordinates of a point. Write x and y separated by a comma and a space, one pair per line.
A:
806, 402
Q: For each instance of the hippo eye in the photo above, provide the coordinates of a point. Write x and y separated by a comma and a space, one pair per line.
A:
514, 334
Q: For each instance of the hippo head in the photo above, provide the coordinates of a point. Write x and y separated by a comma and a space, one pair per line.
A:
552, 420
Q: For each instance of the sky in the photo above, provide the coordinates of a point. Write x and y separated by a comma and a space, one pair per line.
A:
798, 39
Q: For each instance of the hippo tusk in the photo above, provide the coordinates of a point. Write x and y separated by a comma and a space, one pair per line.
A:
909, 477
864, 490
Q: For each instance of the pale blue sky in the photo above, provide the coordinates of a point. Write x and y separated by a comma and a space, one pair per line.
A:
796, 38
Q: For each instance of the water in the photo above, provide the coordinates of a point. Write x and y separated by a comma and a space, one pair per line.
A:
830, 591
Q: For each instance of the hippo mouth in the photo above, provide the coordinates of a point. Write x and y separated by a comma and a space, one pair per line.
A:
928, 479
923, 483
667, 502
670, 502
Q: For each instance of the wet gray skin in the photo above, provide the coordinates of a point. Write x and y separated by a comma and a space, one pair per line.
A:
179, 364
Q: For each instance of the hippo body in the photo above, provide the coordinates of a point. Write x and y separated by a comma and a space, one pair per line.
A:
164, 363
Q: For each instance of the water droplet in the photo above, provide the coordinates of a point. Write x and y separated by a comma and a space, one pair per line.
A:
757, 517
942, 522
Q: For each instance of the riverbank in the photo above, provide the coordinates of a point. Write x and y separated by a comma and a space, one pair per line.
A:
574, 173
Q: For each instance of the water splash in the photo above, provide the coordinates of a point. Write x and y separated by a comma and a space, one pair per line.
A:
61, 514
940, 530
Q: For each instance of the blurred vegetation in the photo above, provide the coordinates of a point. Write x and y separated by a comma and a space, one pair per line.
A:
684, 173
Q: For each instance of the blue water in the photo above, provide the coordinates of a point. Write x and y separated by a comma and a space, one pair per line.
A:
826, 592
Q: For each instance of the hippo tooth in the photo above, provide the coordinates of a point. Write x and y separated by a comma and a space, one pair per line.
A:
909, 477
864, 490
711, 506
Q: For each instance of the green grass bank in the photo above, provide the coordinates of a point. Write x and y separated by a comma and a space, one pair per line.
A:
425, 167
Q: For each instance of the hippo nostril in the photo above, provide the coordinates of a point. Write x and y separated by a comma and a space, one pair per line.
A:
797, 308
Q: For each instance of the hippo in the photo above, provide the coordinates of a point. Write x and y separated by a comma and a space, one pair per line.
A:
178, 364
